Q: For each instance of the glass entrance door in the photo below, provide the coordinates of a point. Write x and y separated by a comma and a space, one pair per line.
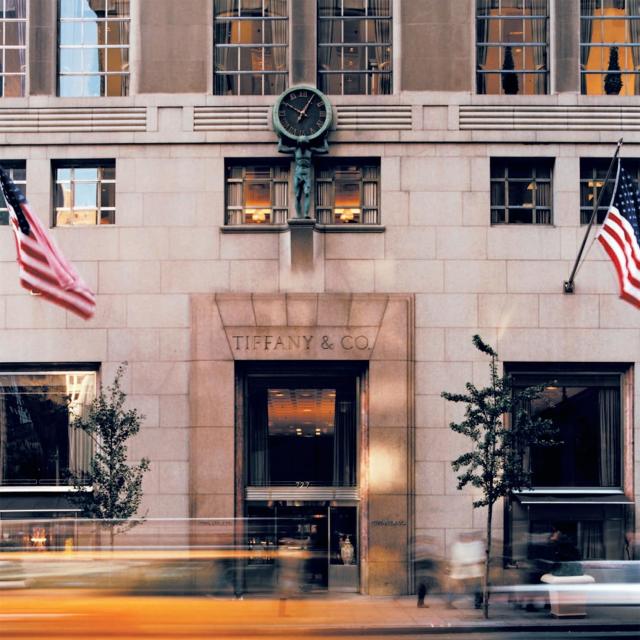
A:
302, 548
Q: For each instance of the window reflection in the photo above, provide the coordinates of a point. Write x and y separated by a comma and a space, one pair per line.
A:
93, 58
251, 47
354, 47
38, 442
13, 47
18, 173
85, 195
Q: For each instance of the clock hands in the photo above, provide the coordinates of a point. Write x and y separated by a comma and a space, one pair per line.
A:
303, 113
295, 109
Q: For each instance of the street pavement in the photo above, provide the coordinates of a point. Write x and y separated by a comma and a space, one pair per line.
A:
83, 614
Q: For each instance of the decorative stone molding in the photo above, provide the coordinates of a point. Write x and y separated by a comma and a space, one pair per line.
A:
67, 119
549, 118
364, 116
231, 118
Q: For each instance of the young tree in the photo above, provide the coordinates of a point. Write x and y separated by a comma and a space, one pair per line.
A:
112, 489
495, 465
613, 79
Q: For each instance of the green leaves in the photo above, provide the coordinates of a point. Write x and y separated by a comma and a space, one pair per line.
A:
495, 463
116, 484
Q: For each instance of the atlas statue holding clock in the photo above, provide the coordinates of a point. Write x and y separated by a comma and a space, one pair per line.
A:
301, 118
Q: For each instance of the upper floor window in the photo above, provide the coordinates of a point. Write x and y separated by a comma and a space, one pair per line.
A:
93, 56
85, 192
593, 171
38, 443
17, 170
13, 47
512, 43
610, 47
521, 190
348, 192
251, 47
256, 194
355, 47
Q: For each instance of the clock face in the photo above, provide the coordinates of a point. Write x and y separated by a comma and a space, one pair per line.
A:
302, 112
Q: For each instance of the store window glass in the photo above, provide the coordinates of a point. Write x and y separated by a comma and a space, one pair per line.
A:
39, 444
585, 409
301, 431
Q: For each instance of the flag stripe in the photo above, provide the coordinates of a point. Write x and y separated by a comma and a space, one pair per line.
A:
618, 231
619, 237
43, 269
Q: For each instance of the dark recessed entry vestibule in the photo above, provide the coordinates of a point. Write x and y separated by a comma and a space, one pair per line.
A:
301, 426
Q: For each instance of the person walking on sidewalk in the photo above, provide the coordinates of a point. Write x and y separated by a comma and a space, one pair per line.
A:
466, 568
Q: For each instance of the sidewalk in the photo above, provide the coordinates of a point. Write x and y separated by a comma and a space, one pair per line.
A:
378, 615
81, 614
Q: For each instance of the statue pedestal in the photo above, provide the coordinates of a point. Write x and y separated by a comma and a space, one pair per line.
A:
302, 243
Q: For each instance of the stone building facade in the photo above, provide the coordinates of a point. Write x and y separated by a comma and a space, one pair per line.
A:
200, 308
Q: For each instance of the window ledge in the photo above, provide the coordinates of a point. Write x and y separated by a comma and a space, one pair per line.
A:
350, 228
258, 228
322, 228
35, 488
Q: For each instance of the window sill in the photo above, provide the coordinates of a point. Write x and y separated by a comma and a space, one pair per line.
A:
350, 228
321, 228
258, 228
35, 488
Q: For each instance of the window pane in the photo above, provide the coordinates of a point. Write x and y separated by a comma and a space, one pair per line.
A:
38, 441
503, 26
354, 84
108, 195
260, 58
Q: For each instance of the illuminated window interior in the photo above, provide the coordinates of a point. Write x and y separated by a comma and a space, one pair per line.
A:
512, 46
347, 193
257, 194
610, 47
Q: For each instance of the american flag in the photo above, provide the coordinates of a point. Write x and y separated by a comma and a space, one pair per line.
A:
43, 269
619, 236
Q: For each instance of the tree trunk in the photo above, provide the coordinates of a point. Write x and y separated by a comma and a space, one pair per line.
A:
487, 563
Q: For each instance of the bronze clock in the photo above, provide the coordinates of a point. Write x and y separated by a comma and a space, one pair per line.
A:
302, 112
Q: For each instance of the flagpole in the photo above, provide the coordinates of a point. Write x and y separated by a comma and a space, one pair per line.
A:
568, 284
